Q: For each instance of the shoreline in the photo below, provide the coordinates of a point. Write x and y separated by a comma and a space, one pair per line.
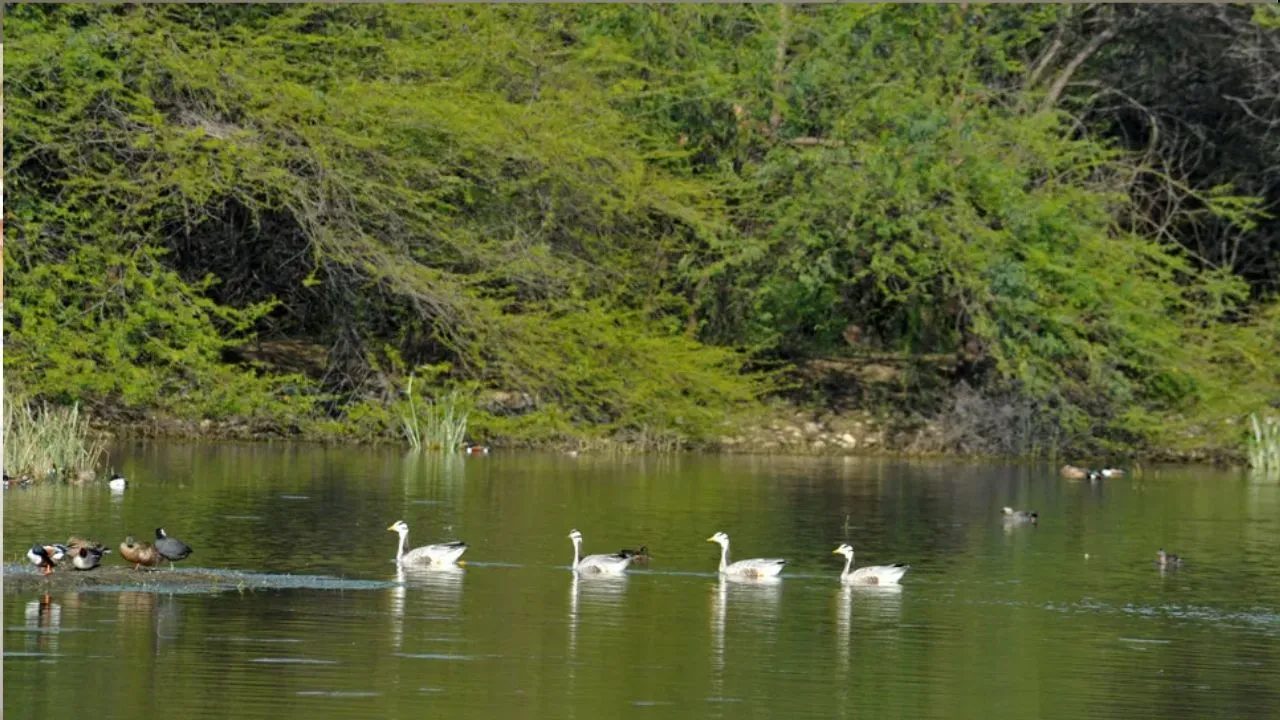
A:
850, 434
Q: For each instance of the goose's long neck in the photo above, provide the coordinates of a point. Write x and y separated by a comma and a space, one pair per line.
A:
724, 555
848, 565
577, 551
404, 538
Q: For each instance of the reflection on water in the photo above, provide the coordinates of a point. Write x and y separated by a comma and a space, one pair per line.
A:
987, 624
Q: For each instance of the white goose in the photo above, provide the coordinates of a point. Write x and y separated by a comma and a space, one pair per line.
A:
753, 568
607, 564
440, 554
871, 574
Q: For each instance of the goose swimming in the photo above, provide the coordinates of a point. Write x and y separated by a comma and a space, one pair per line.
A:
607, 564
753, 568
440, 554
871, 574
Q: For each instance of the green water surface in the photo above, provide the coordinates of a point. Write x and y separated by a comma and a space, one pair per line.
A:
1067, 619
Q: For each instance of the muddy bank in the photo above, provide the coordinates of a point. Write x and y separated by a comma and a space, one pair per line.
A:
786, 430
25, 579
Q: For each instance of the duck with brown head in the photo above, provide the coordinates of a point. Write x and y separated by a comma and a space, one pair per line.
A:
141, 554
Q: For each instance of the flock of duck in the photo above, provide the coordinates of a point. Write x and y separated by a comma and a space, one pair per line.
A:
87, 555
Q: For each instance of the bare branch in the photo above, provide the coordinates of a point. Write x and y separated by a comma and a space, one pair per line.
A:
1047, 57
813, 141
1064, 77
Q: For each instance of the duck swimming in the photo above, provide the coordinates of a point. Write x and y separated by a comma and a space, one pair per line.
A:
1164, 559
117, 482
640, 556
1020, 516
473, 449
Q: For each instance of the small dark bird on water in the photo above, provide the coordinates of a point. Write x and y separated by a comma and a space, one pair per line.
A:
171, 549
638, 557
1164, 559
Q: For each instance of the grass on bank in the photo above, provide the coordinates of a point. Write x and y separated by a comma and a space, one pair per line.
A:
1263, 444
441, 425
39, 439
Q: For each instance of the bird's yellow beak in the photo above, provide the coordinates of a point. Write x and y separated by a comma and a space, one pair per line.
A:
711, 539
461, 563
392, 526
836, 551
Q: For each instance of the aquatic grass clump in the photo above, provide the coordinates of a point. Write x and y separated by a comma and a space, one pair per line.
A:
442, 425
1264, 443
40, 439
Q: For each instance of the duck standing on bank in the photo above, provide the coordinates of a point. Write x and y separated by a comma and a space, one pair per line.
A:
171, 549
139, 553
46, 557
85, 554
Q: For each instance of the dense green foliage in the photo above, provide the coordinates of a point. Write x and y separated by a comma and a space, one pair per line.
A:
619, 215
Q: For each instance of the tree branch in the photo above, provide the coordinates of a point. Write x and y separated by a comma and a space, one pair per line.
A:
1047, 57
779, 66
1064, 77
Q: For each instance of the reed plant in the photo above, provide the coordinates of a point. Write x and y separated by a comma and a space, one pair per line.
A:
1264, 443
39, 439
440, 425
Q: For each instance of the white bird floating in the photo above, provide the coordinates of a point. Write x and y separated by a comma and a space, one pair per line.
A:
614, 564
881, 575
438, 555
753, 568
117, 482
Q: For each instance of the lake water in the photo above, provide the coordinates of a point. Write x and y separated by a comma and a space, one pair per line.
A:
991, 621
